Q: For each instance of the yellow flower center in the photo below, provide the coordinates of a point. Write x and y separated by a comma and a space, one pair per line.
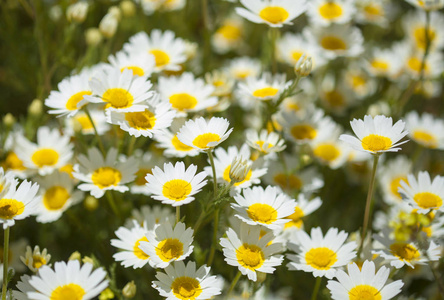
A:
415, 64
160, 57
250, 256
178, 145
84, 122
69, 168
396, 184
105, 177
261, 146
364, 292
330, 11
38, 261
72, 102
226, 176
265, 92
262, 213
333, 43
137, 251
118, 98
176, 189
137, 71
327, 152
45, 157
169, 249
55, 197
9, 208
274, 14
140, 176
242, 74
334, 98
288, 181
296, 218
373, 10
425, 138
230, 32
428, 200
321, 258
375, 143
296, 55
420, 36
303, 132
404, 251
357, 81
186, 288
183, 101
13, 162
201, 141
380, 65
70, 291
141, 120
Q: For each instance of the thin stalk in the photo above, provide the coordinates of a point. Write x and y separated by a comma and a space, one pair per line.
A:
177, 214
437, 279
131, 145
368, 203
213, 168
99, 140
316, 288
273, 32
112, 203
5, 263
214, 242
206, 34
199, 221
234, 282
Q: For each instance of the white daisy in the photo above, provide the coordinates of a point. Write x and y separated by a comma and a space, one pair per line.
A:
324, 12
264, 141
147, 161
425, 130
432, 68
229, 36
414, 25
303, 208
427, 5
391, 174
386, 62
151, 217
34, 259
175, 185
140, 63
81, 122
359, 81
173, 147
328, 150
243, 67
372, 12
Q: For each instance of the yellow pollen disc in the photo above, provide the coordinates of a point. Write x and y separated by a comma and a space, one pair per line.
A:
330, 11
72, 102
242, 74
404, 251
201, 141
261, 146
38, 261
230, 32
265, 92
12, 162
375, 143
380, 65
250, 256
69, 168
425, 138
333, 43
140, 176
118, 98
321, 258
105, 177
373, 11
45, 157
420, 36
84, 122
169, 249
186, 288
358, 81
295, 218
176, 189
226, 176
274, 14
9, 208
183, 101
160, 57
178, 145
396, 184
303, 132
326, 152
137, 71
364, 292
334, 98
55, 197
137, 251
288, 181
296, 55
262, 213
141, 120
428, 200
70, 291
415, 64
218, 83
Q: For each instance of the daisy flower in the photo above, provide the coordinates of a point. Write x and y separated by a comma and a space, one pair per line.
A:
363, 283
167, 244
427, 5
67, 281
386, 62
243, 67
328, 150
321, 255
173, 147
357, 80
376, 135
223, 86
147, 161
51, 152
35, 259
175, 185
101, 174
274, 13
151, 216
324, 12
81, 122
57, 193
303, 208
425, 130
267, 207
414, 25
423, 194
129, 241
204, 135
229, 36
264, 141
372, 12
250, 252
140, 64
391, 174
182, 281
433, 65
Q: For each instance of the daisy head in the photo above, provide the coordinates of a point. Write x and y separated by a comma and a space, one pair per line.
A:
139, 63
386, 62
425, 130
229, 36
243, 67
303, 208
321, 255
264, 141
35, 259
391, 174
175, 185
376, 135
151, 217
427, 5
324, 12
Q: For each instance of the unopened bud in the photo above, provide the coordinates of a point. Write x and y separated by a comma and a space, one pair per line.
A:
88, 260
91, 203
379, 108
75, 256
36, 107
93, 37
128, 8
77, 12
106, 294
303, 66
9, 120
108, 25
239, 169
130, 289
115, 12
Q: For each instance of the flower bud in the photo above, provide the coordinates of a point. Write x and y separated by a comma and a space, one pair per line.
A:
9, 120
128, 8
77, 12
91, 203
239, 169
93, 37
115, 12
75, 256
36, 107
130, 289
303, 66
108, 25
88, 260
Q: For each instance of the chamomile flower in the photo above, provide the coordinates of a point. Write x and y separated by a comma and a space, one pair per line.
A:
427, 5
67, 281
223, 84
425, 130
324, 12
204, 135
267, 207
100, 174
303, 208
243, 67
173, 147
372, 12
415, 27
391, 174
322, 255
129, 241
147, 161
432, 67
57, 195
328, 150
423, 194
376, 135
265, 142
35, 259
167, 244
51, 152
229, 36
139, 63
386, 62
250, 252
81, 123
363, 283
359, 81
274, 13
175, 185
151, 216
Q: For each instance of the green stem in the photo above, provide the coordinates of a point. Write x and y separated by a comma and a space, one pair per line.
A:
316, 288
199, 221
112, 203
213, 168
177, 214
206, 34
214, 242
273, 32
234, 282
368, 203
5, 263
99, 140
131, 145
437, 279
